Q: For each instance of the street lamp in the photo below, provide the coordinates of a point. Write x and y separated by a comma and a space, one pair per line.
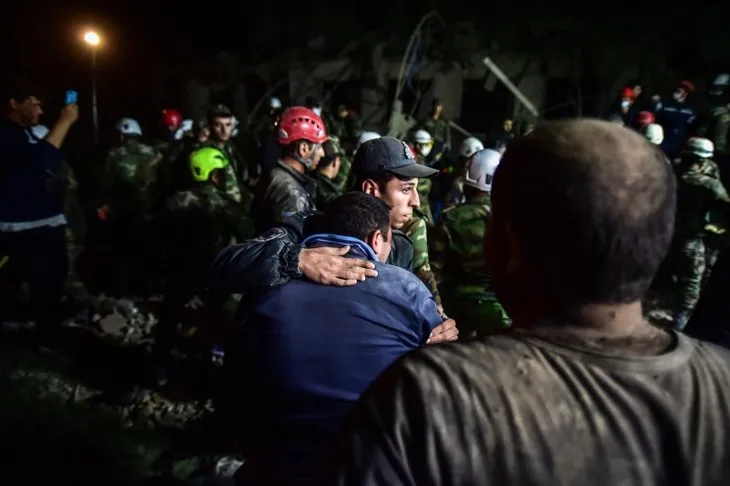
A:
93, 39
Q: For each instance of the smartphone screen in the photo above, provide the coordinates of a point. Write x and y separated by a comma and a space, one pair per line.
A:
72, 97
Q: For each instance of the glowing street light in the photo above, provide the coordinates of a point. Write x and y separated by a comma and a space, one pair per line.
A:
93, 39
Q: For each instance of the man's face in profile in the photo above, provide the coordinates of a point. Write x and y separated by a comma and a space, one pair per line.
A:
29, 111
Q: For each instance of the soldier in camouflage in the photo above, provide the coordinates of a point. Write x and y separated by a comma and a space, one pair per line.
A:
699, 192
326, 173
199, 222
437, 125
718, 123
458, 252
220, 122
129, 194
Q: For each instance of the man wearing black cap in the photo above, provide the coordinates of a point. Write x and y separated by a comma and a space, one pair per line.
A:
385, 168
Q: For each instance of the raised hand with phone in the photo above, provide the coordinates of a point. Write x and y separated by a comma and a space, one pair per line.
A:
69, 115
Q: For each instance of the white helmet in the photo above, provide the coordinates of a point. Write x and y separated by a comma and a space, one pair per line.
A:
274, 103
234, 124
185, 126
422, 136
654, 133
39, 131
366, 137
480, 169
701, 147
722, 80
129, 126
470, 146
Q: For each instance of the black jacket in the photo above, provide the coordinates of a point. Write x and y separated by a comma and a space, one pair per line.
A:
273, 258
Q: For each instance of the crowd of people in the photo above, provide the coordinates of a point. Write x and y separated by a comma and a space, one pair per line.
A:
335, 265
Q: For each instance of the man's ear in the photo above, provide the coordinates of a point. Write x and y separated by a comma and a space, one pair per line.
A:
370, 187
303, 149
376, 241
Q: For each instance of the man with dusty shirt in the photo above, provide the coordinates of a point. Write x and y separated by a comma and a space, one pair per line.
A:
583, 390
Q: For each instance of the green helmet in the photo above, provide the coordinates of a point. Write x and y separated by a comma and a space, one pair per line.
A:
204, 161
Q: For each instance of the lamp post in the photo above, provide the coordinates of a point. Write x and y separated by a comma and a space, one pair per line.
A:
93, 40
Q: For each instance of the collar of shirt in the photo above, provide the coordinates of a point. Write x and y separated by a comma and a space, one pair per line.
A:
358, 248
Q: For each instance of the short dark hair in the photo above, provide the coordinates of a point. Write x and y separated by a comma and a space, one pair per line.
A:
17, 89
356, 214
592, 205
219, 111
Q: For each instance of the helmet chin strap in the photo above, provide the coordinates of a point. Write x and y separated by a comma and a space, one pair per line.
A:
307, 163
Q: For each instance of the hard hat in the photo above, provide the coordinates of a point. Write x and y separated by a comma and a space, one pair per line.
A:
366, 137
171, 118
185, 126
204, 161
688, 86
422, 136
645, 118
470, 146
654, 133
480, 169
701, 147
628, 93
722, 80
129, 126
39, 131
300, 123
274, 103
234, 124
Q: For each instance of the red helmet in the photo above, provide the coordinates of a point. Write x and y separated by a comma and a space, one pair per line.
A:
644, 119
687, 86
171, 118
627, 93
300, 123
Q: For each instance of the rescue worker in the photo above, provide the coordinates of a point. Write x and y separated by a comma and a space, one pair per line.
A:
644, 119
170, 122
220, 122
423, 145
458, 252
469, 147
654, 133
699, 192
129, 193
288, 189
326, 173
199, 222
626, 104
438, 126
384, 167
717, 126
676, 117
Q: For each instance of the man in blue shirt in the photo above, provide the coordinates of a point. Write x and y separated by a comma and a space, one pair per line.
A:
32, 195
305, 352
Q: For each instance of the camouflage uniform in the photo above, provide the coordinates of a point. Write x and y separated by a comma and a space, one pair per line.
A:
209, 220
458, 259
234, 186
131, 192
131, 175
417, 231
75, 232
343, 179
424, 193
699, 192
327, 190
439, 129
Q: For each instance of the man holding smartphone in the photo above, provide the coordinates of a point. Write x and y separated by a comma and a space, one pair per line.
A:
32, 190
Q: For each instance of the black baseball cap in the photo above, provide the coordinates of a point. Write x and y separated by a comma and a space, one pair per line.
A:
388, 154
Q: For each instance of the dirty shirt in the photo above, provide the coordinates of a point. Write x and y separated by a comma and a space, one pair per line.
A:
515, 409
